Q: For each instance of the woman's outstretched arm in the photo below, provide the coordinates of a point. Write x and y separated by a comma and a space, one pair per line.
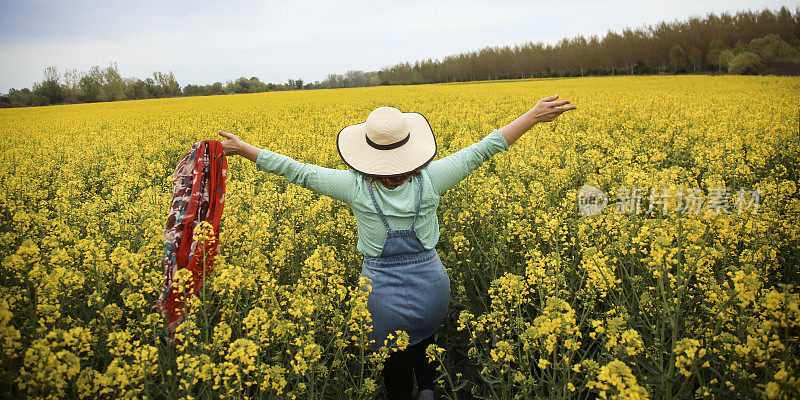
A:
449, 171
336, 183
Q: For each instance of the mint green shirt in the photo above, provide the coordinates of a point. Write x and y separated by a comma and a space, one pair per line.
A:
397, 204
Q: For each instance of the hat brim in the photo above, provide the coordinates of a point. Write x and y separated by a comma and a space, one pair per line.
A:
418, 151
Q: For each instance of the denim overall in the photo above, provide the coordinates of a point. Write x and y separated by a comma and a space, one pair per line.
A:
410, 288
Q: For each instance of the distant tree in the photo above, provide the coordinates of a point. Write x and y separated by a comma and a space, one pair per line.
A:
153, 88
51, 75
216, 88
333, 81
256, 86
113, 84
136, 89
71, 85
48, 91
91, 84
740, 47
714, 50
614, 51
677, 58
313, 85
786, 24
193, 90
172, 88
373, 78
19, 98
233, 87
744, 62
242, 85
725, 58
695, 58
355, 78
169, 86
771, 50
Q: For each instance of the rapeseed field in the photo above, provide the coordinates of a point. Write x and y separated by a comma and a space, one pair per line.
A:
645, 245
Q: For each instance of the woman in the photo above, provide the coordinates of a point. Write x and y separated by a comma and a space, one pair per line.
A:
393, 191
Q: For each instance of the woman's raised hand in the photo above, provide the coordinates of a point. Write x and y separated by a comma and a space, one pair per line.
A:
548, 109
231, 145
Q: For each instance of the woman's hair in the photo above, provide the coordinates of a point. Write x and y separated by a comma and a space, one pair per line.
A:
394, 181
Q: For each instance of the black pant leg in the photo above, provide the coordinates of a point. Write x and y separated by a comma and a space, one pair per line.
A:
424, 370
398, 375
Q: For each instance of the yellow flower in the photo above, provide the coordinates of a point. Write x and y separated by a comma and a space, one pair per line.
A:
543, 363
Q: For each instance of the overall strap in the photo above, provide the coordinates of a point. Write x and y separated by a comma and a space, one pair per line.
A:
419, 202
377, 208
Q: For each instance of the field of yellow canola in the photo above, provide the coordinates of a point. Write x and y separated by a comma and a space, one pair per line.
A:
547, 302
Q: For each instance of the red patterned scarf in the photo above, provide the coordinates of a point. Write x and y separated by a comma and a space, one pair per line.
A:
198, 194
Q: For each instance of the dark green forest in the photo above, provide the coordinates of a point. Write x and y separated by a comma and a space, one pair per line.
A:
748, 42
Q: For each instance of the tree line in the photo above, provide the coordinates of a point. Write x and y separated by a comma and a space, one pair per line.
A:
748, 42
106, 84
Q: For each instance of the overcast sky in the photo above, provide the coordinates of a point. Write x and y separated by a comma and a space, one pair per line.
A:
207, 41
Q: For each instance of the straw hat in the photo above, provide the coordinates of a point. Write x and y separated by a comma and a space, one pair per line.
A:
389, 143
